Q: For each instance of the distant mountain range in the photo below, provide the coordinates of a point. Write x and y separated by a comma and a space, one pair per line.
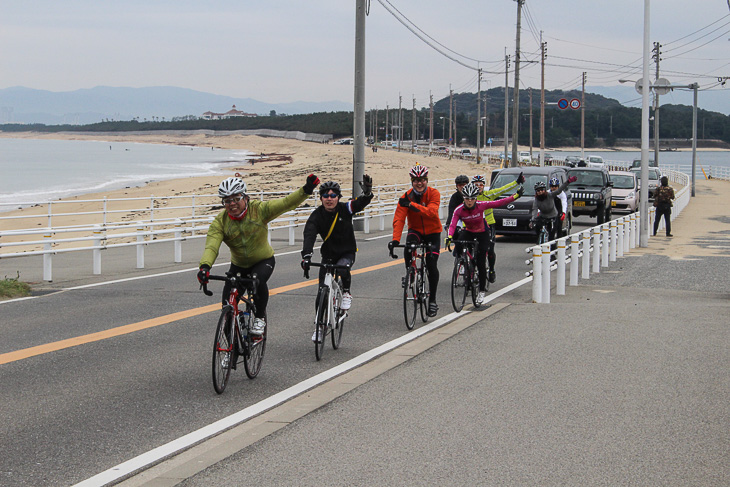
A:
26, 105
87, 106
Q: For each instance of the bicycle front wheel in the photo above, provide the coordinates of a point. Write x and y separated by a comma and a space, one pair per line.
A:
423, 293
254, 349
410, 299
339, 324
474, 284
321, 323
459, 284
223, 350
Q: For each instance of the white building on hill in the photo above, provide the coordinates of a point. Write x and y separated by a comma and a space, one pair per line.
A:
232, 113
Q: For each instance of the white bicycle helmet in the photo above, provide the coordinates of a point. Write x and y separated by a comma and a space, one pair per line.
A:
231, 186
470, 191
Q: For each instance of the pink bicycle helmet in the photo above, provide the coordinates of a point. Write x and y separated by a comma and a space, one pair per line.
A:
419, 171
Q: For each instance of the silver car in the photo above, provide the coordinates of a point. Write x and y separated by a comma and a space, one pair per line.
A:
625, 191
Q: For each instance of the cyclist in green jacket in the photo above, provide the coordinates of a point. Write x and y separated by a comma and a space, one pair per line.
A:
492, 195
243, 227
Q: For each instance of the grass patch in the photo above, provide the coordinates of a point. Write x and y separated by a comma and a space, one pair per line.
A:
13, 288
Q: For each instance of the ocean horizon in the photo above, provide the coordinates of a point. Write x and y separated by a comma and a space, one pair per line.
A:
38, 170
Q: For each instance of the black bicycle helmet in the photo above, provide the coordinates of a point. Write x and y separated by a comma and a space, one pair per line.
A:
325, 188
461, 179
471, 190
540, 185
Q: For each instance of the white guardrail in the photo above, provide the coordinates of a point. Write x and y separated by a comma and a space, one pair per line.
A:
594, 248
155, 228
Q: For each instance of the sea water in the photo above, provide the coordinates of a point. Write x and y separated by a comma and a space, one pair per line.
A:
35, 171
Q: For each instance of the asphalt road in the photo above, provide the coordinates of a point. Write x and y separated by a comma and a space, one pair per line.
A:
72, 413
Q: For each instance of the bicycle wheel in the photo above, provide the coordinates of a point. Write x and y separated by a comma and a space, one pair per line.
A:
423, 293
321, 324
544, 236
474, 283
459, 284
223, 350
410, 299
339, 324
254, 349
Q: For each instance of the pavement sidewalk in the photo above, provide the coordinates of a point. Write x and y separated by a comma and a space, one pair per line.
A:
622, 381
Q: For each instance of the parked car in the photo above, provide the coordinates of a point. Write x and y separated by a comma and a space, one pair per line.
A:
466, 152
572, 161
592, 193
654, 176
594, 161
524, 157
548, 158
514, 219
347, 141
637, 163
625, 191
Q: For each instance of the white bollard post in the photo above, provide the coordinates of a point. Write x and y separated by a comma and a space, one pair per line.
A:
545, 273
574, 259
560, 284
178, 240
586, 269
596, 249
604, 245
366, 221
536, 274
47, 257
192, 202
637, 231
632, 232
140, 247
268, 234
292, 227
627, 235
96, 253
382, 219
612, 237
620, 237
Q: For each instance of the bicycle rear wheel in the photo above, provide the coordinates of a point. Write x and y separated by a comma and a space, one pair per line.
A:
321, 323
223, 350
474, 284
339, 324
459, 284
254, 349
410, 299
423, 293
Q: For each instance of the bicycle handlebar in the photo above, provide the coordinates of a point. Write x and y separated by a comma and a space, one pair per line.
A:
235, 279
330, 266
424, 245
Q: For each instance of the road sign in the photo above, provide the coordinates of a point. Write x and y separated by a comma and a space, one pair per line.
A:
661, 86
639, 86
563, 103
575, 103
489, 141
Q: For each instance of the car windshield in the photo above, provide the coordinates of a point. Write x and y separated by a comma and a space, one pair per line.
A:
622, 181
587, 178
595, 159
529, 184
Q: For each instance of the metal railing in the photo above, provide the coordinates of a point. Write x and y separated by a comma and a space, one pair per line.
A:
155, 229
594, 248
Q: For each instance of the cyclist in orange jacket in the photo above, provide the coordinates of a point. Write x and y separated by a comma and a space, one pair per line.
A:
420, 207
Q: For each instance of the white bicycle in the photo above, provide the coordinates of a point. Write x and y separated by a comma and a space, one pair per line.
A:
330, 317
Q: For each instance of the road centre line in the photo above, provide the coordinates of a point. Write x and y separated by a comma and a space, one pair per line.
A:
153, 322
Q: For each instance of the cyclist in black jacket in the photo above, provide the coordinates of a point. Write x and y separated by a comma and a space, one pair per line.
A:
333, 222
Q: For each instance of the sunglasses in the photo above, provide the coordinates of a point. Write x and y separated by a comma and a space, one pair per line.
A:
329, 195
469, 199
232, 199
419, 180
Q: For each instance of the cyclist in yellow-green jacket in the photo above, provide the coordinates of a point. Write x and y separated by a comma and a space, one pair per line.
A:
492, 195
243, 226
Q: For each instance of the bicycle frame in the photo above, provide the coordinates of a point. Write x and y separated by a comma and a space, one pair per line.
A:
332, 318
416, 278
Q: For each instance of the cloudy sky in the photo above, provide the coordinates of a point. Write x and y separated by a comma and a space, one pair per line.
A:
290, 50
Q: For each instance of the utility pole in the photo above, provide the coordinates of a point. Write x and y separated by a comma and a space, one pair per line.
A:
657, 58
506, 107
583, 118
430, 122
479, 109
400, 120
387, 111
358, 155
543, 47
375, 137
530, 91
451, 113
516, 102
414, 129
486, 122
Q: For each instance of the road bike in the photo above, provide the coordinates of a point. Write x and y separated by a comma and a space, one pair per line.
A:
545, 224
233, 338
330, 317
416, 292
465, 277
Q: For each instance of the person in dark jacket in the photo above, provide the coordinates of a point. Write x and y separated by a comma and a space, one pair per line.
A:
333, 222
663, 197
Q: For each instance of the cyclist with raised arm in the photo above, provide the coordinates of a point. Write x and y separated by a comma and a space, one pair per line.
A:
243, 226
333, 222
420, 207
544, 207
476, 228
456, 199
561, 204
491, 195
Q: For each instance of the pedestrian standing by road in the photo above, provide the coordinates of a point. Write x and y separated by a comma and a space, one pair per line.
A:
333, 222
420, 206
663, 197
244, 227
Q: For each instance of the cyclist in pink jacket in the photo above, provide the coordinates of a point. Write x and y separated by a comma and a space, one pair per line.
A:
471, 213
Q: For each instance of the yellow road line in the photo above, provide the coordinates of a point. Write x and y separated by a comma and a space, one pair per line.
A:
151, 323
